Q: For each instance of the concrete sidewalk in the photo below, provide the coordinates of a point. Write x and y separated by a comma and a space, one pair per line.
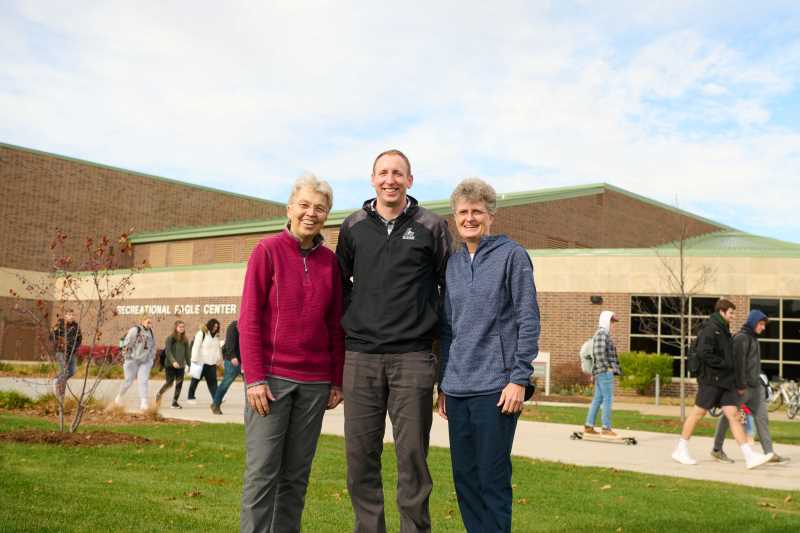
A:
537, 440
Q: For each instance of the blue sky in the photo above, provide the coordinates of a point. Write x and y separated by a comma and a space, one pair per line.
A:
695, 103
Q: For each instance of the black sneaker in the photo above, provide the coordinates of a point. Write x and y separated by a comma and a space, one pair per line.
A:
176, 405
215, 409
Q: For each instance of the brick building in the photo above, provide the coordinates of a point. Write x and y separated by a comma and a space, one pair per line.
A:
592, 243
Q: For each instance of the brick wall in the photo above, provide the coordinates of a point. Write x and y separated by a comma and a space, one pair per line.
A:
39, 192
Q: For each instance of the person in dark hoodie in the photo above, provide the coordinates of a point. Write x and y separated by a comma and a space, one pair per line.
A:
718, 385
489, 339
66, 338
747, 354
231, 357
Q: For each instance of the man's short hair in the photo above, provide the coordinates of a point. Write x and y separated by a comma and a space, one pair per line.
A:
723, 305
392, 152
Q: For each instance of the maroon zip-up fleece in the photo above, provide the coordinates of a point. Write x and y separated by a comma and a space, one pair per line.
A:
290, 317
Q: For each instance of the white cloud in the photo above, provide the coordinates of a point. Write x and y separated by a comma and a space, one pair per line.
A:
247, 96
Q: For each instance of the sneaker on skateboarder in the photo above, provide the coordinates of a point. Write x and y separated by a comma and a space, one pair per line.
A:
605, 367
719, 385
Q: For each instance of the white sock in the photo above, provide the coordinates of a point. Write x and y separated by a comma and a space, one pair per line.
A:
747, 451
683, 444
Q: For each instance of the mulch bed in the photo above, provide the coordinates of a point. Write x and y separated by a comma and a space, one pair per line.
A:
88, 438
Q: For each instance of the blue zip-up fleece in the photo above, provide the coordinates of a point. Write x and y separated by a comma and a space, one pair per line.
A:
490, 324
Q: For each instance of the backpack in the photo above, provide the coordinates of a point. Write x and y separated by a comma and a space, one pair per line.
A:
161, 357
692, 359
191, 342
587, 356
122, 345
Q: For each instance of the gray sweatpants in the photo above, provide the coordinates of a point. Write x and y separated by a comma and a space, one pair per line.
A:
402, 385
280, 449
758, 406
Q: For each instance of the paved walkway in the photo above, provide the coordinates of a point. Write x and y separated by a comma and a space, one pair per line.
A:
537, 440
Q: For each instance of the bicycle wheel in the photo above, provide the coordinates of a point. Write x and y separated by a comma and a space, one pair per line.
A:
776, 402
793, 408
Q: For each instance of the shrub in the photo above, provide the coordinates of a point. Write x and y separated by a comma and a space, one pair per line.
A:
639, 369
14, 400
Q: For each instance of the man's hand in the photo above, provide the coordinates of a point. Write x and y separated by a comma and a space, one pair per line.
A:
175, 365
511, 399
741, 392
234, 361
335, 397
259, 397
440, 405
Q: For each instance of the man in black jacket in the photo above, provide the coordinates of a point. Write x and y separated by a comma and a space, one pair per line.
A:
393, 255
718, 385
66, 338
747, 354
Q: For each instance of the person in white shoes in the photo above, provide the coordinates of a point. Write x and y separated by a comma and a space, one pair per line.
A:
718, 385
139, 350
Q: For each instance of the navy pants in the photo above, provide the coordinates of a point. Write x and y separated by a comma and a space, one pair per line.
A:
480, 449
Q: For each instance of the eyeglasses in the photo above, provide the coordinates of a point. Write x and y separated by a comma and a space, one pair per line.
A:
318, 209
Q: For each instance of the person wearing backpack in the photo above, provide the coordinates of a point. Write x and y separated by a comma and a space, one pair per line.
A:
139, 350
176, 359
719, 384
604, 366
206, 350
747, 354
230, 354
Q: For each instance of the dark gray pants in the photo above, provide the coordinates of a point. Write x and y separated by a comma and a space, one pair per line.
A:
402, 385
280, 449
758, 406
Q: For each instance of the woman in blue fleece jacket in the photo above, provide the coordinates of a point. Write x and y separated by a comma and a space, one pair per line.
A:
489, 338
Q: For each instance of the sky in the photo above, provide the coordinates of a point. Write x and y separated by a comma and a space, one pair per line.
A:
695, 104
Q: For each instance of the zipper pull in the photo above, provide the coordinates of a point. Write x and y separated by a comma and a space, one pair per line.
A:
305, 264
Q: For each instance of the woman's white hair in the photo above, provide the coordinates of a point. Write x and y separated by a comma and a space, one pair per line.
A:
475, 190
310, 181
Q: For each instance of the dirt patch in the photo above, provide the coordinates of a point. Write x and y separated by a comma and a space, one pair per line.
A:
88, 438
96, 415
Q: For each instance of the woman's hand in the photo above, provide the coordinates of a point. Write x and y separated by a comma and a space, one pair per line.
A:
440, 405
335, 397
234, 361
175, 365
259, 397
511, 399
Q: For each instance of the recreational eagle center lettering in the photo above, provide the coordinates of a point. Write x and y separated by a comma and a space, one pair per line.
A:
178, 309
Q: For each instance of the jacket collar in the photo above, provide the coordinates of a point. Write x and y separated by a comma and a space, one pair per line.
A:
411, 206
289, 236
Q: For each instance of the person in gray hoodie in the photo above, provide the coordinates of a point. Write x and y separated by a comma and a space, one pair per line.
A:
747, 358
139, 349
489, 339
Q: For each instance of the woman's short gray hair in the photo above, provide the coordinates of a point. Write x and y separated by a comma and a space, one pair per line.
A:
475, 190
310, 181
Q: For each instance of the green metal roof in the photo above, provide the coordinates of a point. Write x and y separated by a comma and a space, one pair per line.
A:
441, 207
717, 244
152, 176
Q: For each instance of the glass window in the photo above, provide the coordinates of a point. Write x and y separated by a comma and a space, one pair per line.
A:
671, 326
671, 347
771, 370
644, 305
643, 325
791, 371
770, 350
702, 306
791, 351
644, 344
696, 323
791, 330
773, 330
670, 305
769, 307
791, 309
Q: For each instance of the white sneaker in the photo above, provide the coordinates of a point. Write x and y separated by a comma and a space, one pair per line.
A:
682, 456
192, 402
757, 459
118, 400
143, 405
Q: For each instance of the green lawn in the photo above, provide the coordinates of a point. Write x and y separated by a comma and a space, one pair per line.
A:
783, 431
193, 483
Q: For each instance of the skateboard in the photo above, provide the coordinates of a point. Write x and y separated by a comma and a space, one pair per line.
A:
580, 435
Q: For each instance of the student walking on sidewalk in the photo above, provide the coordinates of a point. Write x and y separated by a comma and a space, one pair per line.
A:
176, 359
139, 350
206, 351
747, 354
605, 367
718, 385
230, 353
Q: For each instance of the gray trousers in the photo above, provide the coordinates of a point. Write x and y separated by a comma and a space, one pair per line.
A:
758, 406
280, 449
402, 385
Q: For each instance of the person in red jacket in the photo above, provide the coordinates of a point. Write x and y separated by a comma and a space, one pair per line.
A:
292, 355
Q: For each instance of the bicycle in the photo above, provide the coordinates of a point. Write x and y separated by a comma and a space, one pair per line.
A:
783, 392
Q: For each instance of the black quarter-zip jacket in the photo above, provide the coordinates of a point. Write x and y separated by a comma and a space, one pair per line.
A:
392, 282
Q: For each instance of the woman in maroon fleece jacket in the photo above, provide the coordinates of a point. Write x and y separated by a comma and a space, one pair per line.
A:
292, 350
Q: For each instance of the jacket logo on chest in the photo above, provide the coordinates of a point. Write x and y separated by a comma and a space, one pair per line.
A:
408, 235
